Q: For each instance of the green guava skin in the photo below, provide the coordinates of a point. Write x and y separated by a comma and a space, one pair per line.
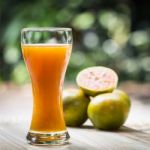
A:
94, 93
109, 111
75, 104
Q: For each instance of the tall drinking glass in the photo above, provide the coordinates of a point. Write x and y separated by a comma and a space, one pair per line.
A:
46, 52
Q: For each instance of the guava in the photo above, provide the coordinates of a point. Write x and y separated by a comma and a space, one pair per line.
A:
109, 111
96, 80
75, 104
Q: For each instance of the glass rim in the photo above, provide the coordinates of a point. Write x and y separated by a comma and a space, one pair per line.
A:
46, 29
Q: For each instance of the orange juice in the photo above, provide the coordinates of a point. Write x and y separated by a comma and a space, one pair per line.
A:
47, 65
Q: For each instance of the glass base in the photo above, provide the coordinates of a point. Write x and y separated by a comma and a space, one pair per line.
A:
52, 138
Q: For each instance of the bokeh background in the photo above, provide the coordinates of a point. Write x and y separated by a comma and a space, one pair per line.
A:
112, 33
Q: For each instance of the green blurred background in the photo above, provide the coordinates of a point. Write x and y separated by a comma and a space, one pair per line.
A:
112, 33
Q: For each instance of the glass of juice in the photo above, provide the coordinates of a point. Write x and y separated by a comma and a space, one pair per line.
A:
46, 53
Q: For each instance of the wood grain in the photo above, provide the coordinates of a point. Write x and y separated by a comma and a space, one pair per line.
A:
12, 137
15, 115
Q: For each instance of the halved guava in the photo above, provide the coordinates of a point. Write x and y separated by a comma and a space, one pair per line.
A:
96, 80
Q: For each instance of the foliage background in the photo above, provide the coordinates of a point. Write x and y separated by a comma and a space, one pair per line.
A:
113, 33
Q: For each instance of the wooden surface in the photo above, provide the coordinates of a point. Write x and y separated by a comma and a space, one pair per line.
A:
15, 113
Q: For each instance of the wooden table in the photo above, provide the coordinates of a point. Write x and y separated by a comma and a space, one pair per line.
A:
15, 113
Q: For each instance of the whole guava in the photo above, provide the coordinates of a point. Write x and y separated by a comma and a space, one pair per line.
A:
109, 111
75, 104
